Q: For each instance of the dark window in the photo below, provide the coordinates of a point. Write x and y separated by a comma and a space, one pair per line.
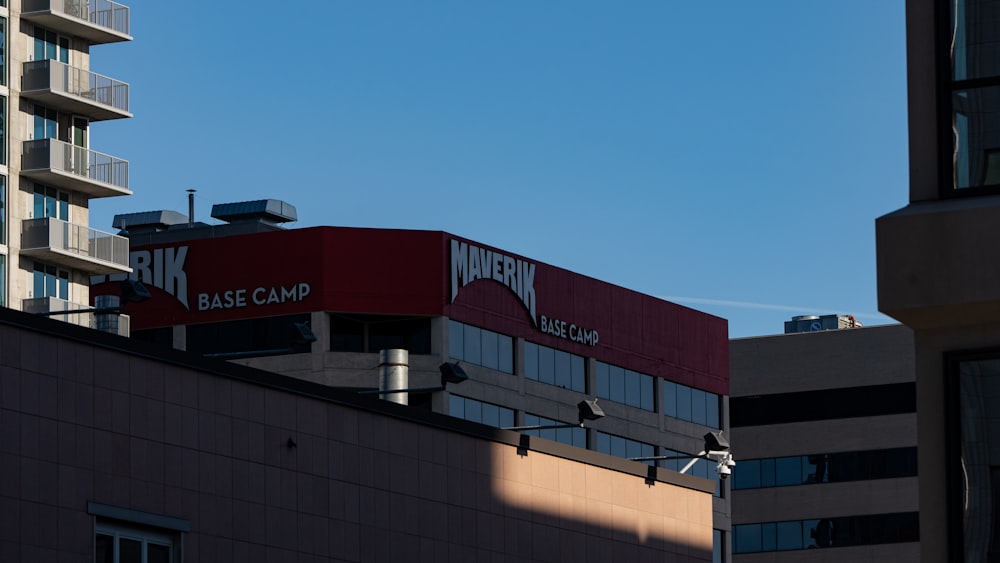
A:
478, 411
372, 333
268, 336
159, 336
481, 347
554, 367
781, 408
869, 529
826, 468
574, 436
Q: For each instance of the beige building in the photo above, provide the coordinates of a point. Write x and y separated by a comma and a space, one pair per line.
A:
939, 271
825, 432
48, 170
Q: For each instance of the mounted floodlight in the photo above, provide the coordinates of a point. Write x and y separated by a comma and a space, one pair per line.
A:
716, 450
134, 292
451, 372
716, 442
302, 333
588, 410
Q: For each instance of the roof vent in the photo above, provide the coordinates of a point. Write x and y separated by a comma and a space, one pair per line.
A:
269, 211
148, 221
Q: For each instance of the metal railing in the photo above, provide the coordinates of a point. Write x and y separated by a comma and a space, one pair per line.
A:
102, 13
70, 312
58, 76
42, 154
59, 235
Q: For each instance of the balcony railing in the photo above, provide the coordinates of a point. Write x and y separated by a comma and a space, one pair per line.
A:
68, 166
52, 307
100, 21
75, 90
74, 246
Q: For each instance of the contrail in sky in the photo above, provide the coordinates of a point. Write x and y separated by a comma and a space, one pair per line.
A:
768, 306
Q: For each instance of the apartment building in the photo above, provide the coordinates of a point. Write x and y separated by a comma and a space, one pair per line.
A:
49, 99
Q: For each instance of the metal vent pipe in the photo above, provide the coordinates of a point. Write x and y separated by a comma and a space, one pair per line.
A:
394, 374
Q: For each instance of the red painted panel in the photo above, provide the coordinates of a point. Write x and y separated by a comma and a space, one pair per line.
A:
390, 271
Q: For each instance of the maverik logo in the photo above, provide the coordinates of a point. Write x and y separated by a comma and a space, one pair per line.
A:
162, 268
470, 263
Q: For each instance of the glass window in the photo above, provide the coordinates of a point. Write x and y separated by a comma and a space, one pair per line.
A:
712, 410
746, 538
479, 346
683, 402
50, 202
789, 535
574, 436
531, 361
3, 209
481, 412
3, 50
718, 546
3, 280
50, 281
669, 398
46, 123
748, 476
616, 384
131, 544
554, 367
699, 411
624, 447
3, 129
265, 336
788, 471
50, 45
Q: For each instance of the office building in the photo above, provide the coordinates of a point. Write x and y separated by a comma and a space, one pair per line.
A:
113, 450
939, 270
824, 427
534, 339
49, 98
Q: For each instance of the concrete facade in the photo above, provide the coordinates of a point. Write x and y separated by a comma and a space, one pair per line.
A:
50, 99
807, 375
937, 267
106, 441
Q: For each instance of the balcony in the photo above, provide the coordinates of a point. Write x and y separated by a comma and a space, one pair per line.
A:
98, 21
74, 246
52, 306
74, 90
62, 165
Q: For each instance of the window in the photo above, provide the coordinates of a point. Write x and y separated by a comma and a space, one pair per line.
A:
50, 45
478, 411
372, 333
706, 469
826, 468
131, 536
624, 386
575, 436
718, 546
3, 280
50, 281
116, 544
624, 447
868, 529
480, 347
555, 367
3, 50
3, 209
3, 129
826, 404
50, 202
971, 47
46, 123
269, 336
690, 404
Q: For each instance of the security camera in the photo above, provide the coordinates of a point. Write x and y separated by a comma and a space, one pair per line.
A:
724, 471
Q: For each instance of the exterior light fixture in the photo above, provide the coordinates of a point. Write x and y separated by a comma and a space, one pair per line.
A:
716, 449
587, 410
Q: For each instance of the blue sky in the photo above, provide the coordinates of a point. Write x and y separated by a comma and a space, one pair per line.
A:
730, 156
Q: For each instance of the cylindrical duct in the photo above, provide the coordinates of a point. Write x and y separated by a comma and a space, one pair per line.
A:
394, 374
107, 322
